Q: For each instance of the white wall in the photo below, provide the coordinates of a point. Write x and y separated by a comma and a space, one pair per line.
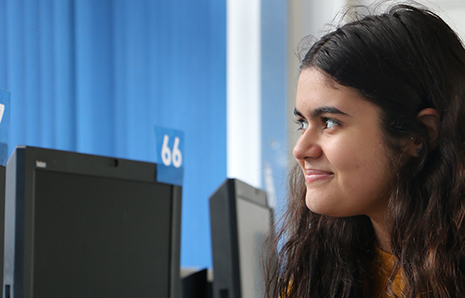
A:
243, 91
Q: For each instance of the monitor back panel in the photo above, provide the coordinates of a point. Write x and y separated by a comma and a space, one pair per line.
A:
240, 224
2, 222
90, 226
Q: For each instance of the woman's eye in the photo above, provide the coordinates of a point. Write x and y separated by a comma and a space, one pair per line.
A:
330, 123
302, 124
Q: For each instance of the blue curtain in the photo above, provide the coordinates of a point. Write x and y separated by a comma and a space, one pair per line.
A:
94, 76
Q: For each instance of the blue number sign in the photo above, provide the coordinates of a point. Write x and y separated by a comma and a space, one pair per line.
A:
169, 144
4, 125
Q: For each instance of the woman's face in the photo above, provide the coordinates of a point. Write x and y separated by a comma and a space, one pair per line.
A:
341, 150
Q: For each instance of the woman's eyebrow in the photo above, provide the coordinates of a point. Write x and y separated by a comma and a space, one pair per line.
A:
321, 110
297, 113
326, 110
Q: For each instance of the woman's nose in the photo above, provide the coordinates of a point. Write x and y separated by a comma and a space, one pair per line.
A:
307, 146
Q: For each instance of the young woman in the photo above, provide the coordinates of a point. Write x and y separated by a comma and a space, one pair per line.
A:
377, 196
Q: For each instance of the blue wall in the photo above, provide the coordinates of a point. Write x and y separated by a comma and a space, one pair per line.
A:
275, 152
94, 76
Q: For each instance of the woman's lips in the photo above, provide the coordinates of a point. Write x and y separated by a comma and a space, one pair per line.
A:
316, 175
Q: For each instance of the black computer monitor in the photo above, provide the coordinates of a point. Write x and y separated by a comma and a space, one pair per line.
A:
241, 221
2, 222
82, 225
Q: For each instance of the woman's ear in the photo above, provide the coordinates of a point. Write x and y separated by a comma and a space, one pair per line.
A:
430, 118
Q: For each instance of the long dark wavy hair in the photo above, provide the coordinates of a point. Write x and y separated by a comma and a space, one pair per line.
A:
404, 60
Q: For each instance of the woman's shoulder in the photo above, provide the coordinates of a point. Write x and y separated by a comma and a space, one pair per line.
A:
381, 270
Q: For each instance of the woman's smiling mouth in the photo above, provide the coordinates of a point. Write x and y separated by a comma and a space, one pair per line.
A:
312, 175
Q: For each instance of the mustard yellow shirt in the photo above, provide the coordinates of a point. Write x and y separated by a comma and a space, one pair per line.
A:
381, 271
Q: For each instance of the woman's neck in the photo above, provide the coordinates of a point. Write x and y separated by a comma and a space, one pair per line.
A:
382, 235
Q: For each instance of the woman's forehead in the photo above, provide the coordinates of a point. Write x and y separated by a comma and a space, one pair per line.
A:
317, 93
